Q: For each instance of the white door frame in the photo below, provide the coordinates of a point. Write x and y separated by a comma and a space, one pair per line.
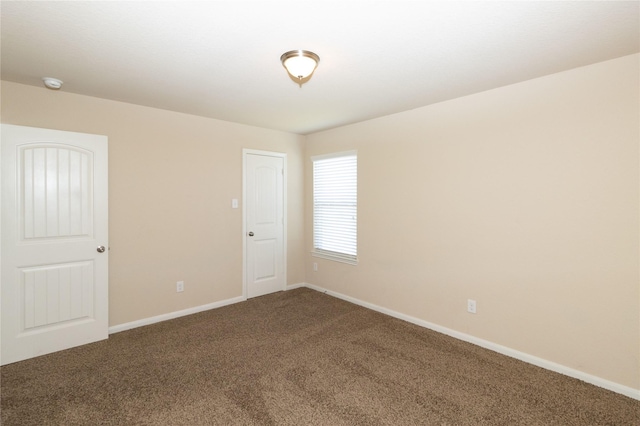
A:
282, 155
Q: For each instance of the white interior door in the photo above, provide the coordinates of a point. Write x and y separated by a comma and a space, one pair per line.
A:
54, 291
264, 223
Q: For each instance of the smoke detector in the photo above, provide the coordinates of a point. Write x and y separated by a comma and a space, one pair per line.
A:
52, 83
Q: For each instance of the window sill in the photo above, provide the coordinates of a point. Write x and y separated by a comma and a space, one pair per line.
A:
336, 257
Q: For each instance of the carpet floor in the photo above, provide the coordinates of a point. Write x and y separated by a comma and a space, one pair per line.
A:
295, 358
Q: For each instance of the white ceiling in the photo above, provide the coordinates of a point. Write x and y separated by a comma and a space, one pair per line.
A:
220, 59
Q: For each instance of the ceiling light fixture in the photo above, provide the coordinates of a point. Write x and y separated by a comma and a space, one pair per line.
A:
52, 83
300, 64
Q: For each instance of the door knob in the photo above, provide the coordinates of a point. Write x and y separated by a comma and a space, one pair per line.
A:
100, 249
251, 234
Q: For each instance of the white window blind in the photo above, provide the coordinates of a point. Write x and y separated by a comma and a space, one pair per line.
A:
335, 206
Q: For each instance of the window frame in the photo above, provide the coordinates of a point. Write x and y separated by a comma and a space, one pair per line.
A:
348, 258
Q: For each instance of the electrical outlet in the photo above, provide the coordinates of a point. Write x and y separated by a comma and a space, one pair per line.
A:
179, 286
315, 267
471, 306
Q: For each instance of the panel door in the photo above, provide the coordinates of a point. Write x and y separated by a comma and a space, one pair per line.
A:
54, 290
264, 224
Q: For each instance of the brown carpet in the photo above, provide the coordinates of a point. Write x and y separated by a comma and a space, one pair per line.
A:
296, 358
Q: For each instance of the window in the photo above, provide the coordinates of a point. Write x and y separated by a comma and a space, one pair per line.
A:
335, 206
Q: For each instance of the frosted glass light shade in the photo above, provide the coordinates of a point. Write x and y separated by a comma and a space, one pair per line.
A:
300, 63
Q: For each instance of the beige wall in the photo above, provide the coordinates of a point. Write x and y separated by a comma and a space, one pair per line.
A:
524, 198
171, 180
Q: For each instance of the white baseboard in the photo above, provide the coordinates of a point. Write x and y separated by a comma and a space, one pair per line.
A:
172, 315
294, 286
549, 365
178, 314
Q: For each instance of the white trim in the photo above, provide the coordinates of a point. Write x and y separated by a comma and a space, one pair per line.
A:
294, 286
336, 257
177, 314
282, 155
171, 315
334, 155
549, 365
335, 235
